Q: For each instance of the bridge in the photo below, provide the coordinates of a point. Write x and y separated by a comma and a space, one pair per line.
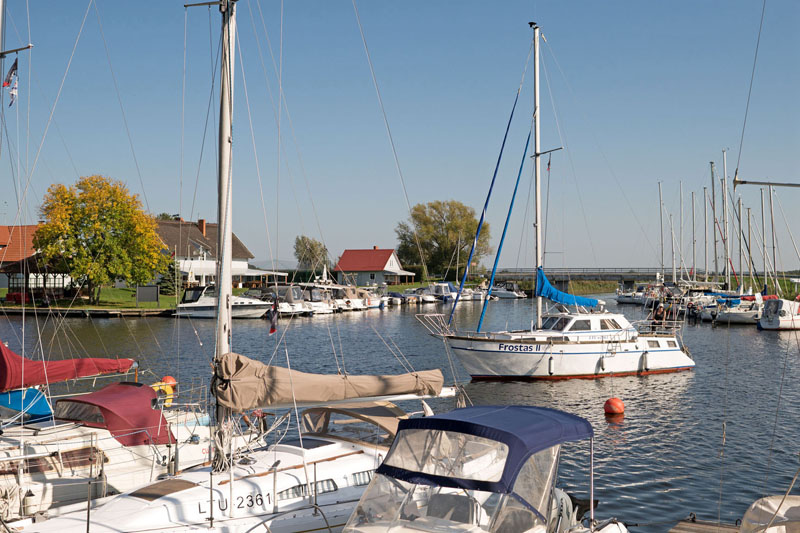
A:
627, 276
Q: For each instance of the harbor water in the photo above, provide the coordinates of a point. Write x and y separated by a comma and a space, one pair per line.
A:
708, 441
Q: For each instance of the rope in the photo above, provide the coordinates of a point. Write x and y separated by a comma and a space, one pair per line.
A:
394, 150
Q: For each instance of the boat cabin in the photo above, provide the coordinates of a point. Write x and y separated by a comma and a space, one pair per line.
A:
487, 468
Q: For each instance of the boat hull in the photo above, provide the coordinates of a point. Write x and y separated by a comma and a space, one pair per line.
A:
499, 359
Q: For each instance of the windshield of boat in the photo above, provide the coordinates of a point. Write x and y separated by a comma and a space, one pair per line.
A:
389, 502
192, 295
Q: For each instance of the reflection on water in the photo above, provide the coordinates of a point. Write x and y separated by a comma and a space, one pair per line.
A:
659, 462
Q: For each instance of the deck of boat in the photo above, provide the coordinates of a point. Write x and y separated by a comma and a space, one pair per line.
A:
700, 526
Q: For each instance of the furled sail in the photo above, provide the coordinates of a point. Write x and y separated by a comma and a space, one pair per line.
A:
545, 290
17, 372
241, 383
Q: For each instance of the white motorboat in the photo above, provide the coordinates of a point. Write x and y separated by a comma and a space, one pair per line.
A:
508, 291
631, 297
780, 314
478, 469
291, 300
422, 294
319, 298
201, 302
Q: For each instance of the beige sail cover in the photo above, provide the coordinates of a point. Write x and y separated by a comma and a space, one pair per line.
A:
242, 383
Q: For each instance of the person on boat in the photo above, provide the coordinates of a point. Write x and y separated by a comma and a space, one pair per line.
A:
659, 316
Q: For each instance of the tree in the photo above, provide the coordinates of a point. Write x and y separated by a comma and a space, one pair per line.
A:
170, 282
310, 253
441, 227
165, 216
99, 232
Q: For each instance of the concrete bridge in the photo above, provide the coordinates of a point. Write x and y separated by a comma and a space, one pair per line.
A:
560, 277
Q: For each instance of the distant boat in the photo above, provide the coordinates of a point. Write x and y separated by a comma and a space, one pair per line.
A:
780, 314
508, 290
201, 302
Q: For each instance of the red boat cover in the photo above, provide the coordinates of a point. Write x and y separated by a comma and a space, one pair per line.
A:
12, 375
125, 409
750, 298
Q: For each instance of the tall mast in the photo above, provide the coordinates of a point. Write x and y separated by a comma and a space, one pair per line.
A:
714, 220
705, 232
224, 216
672, 240
749, 249
694, 245
774, 258
661, 226
680, 225
536, 164
741, 281
725, 239
763, 238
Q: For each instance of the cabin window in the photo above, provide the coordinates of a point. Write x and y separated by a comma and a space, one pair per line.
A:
672, 344
561, 324
549, 321
362, 478
652, 344
609, 323
581, 325
614, 323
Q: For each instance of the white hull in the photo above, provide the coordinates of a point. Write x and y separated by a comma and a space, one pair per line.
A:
780, 315
738, 317
527, 360
189, 311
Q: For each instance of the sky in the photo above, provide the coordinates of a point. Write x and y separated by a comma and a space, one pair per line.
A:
636, 93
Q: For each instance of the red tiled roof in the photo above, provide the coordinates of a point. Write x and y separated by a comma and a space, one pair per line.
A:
16, 242
371, 260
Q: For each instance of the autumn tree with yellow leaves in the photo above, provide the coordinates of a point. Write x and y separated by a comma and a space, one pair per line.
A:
97, 230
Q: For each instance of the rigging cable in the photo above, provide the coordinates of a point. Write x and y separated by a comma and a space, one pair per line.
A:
491, 185
394, 150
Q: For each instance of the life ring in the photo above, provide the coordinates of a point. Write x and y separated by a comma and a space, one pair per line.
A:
165, 390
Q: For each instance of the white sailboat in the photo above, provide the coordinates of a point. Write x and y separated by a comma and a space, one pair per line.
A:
564, 344
780, 314
308, 483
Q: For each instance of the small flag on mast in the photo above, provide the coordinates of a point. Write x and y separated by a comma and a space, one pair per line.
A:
13, 94
272, 316
12, 72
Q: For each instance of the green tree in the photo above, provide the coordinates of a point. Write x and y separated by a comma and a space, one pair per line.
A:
310, 253
165, 216
441, 227
170, 282
98, 230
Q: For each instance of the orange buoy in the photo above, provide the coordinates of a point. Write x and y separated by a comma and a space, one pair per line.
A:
614, 406
169, 380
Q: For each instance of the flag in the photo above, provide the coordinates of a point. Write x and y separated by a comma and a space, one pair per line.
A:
12, 72
13, 94
272, 316
548, 163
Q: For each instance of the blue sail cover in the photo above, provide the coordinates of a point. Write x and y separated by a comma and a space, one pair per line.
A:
545, 290
524, 429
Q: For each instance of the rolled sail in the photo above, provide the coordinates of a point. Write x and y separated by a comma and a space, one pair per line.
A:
241, 383
545, 290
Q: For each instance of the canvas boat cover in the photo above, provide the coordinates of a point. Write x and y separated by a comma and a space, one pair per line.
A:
124, 409
385, 415
786, 515
524, 430
241, 383
545, 290
17, 372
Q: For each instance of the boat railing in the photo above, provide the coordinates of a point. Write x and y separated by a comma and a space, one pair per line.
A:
659, 328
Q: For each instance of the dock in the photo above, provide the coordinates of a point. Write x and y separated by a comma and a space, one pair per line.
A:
66, 312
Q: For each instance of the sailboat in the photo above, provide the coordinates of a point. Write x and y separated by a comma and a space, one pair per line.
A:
310, 482
588, 342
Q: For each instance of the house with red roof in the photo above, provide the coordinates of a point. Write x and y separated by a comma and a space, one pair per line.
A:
374, 266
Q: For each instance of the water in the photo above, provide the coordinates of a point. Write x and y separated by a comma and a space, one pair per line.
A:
663, 460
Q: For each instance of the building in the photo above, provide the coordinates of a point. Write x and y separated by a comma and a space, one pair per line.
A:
18, 258
371, 267
194, 246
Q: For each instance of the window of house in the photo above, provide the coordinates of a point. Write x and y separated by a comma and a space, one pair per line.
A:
372, 275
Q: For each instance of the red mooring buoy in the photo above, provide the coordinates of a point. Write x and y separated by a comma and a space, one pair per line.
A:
614, 406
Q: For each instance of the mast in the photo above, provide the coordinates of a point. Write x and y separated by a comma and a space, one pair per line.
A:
694, 245
714, 221
741, 281
224, 216
705, 232
680, 225
537, 165
750, 249
672, 240
774, 258
725, 219
763, 238
661, 226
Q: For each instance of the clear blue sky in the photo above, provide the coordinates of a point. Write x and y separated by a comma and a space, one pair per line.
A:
643, 91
